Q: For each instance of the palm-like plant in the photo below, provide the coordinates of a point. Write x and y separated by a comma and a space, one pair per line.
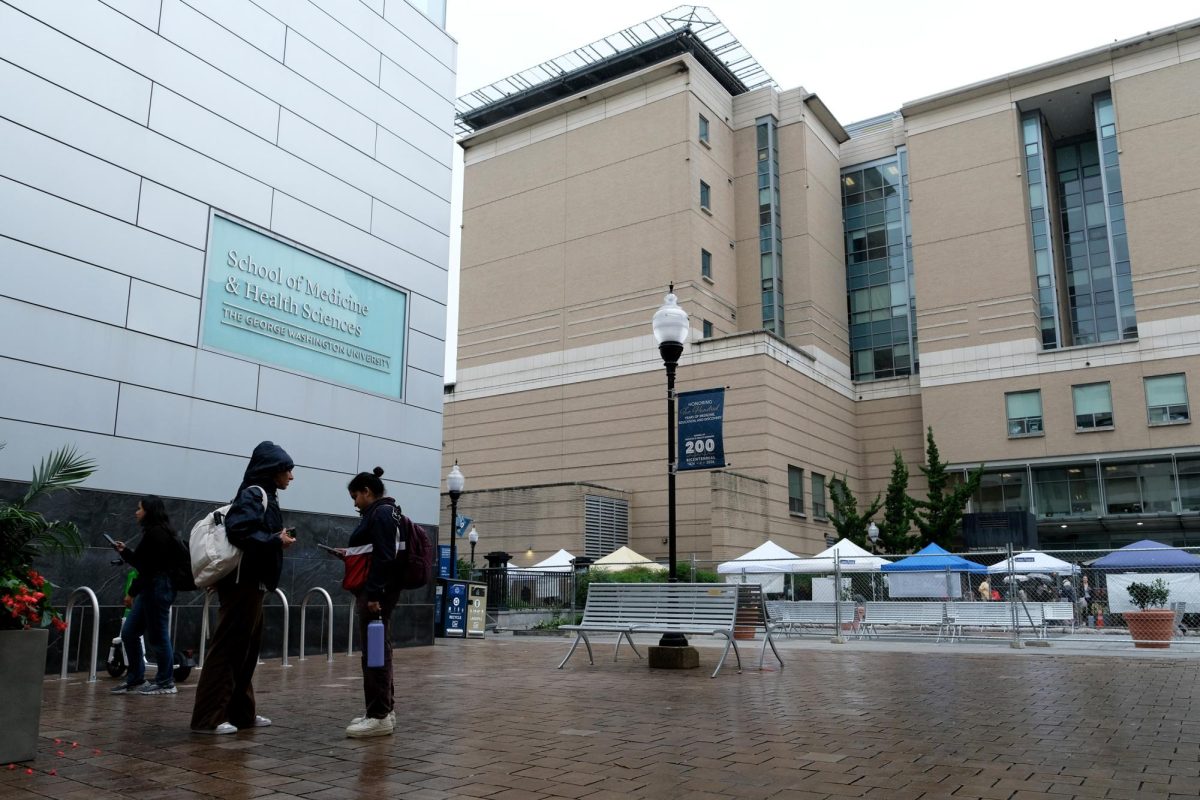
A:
26, 534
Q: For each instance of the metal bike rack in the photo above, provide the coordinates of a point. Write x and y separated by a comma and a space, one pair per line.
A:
283, 599
95, 632
304, 608
350, 631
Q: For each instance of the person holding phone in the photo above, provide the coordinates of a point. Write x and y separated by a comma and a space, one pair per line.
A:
153, 596
225, 700
376, 592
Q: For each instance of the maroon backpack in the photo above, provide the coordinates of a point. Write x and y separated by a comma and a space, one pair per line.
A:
415, 566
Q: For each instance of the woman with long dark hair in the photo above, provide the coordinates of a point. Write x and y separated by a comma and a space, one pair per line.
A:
374, 545
153, 595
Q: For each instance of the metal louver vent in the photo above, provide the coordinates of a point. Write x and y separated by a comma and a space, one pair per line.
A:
606, 525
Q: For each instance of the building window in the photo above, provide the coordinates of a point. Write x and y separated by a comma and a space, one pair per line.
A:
605, 525
1002, 490
818, 495
1024, 411
1093, 406
1077, 213
1166, 400
1145, 487
879, 271
1072, 490
795, 490
703, 131
770, 226
705, 264
705, 196
708, 329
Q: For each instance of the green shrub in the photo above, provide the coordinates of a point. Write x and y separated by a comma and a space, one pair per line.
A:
1152, 595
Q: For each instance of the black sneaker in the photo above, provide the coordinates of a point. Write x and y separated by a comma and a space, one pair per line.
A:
156, 688
126, 688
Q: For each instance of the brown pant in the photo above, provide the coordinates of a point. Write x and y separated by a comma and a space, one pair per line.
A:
225, 693
378, 687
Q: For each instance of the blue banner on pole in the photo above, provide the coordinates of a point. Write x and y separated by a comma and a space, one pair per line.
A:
700, 430
461, 526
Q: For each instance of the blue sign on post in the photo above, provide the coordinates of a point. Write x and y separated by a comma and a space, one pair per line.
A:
456, 609
443, 561
700, 430
461, 525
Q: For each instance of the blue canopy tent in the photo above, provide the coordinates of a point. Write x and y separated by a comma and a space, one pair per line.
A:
1145, 562
930, 572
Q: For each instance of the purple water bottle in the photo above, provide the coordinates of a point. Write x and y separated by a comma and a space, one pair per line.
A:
375, 643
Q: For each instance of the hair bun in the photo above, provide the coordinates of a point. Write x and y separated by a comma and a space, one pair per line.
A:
377, 472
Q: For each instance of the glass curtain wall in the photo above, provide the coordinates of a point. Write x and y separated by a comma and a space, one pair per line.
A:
1033, 134
770, 228
879, 285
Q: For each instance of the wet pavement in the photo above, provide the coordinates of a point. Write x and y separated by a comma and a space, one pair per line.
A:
494, 719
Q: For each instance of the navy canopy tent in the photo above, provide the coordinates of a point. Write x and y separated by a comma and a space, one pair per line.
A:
1147, 554
932, 558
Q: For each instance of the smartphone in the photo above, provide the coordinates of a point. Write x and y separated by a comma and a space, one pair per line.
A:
111, 540
328, 549
290, 532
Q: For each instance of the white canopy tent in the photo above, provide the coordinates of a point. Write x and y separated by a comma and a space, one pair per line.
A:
530, 583
765, 564
559, 562
623, 558
1034, 561
850, 557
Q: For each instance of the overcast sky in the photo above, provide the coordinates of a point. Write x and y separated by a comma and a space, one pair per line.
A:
863, 58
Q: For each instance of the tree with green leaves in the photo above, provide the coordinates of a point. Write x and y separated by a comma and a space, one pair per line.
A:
894, 533
850, 524
939, 516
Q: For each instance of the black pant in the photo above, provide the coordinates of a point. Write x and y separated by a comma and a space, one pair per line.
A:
378, 687
225, 692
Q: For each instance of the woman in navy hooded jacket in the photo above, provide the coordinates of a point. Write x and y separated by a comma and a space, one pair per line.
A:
225, 695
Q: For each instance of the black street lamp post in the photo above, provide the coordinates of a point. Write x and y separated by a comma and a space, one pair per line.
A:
671, 329
473, 536
454, 487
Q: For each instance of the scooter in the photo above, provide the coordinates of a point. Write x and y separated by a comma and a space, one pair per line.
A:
117, 662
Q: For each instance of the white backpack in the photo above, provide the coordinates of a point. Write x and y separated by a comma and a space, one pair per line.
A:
213, 557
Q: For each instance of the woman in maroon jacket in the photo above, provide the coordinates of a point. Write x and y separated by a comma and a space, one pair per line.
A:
374, 542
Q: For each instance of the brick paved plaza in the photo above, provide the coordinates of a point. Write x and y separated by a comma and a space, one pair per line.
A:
494, 719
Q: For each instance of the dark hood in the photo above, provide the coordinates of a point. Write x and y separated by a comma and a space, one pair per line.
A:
266, 460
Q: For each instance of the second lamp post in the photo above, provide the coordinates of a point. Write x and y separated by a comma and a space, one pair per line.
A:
671, 329
454, 487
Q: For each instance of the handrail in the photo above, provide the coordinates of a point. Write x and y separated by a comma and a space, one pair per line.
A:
95, 631
304, 608
283, 599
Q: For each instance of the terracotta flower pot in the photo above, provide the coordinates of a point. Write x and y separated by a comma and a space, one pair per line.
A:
1153, 628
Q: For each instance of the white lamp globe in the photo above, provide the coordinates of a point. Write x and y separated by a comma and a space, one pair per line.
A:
670, 321
455, 480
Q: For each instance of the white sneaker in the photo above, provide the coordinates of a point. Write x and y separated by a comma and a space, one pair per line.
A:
391, 718
221, 730
262, 722
370, 727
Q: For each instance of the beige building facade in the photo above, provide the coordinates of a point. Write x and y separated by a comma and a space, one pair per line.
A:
1012, 263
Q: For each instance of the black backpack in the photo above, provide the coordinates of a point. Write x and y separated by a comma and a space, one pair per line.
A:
179, 569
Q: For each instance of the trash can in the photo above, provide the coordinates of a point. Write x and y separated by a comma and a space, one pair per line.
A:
454, 608
477, 595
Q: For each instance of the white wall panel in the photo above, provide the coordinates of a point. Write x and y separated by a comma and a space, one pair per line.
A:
144, 12
186, 122
132, 465
424, 389
145, 52
172, 214
247, 22
46, 221
330, 154
161, 312
303, 398
48, 279
428, 317
374, 5
34, 393
203, 37
326, 32
409, 124
402, 463
33, 159
399, 83
201, 425
322, 232
61, 115
414, 236
420, 167
82, 345
426, 353
423, 33
40, 49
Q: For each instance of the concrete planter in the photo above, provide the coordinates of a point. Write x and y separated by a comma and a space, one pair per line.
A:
1151, 628
22, 663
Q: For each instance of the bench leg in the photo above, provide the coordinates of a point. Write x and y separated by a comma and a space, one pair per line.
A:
629, 639
767, 640
729, 642
579, 635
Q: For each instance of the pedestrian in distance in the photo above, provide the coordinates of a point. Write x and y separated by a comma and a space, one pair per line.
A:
371, 575
152, 596
985, 590
225, 694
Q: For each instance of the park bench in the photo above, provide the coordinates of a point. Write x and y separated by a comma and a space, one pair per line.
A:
752, 612
1059, 612
708, 609
960, 615
916, 614
793, 616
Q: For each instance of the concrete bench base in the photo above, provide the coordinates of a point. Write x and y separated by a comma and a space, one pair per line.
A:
673, 657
